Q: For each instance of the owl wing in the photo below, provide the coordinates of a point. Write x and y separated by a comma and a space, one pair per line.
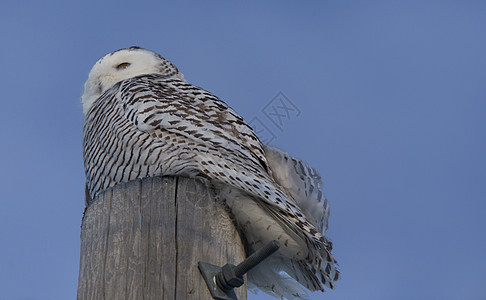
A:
180, 108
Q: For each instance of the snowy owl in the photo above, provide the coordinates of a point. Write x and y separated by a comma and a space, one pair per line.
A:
143, 119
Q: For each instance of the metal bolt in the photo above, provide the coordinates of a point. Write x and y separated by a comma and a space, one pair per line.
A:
256, 258
231, 276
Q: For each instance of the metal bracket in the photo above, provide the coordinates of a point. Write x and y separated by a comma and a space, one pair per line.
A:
222, 280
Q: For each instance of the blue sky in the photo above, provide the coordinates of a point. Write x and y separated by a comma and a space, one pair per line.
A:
392, 102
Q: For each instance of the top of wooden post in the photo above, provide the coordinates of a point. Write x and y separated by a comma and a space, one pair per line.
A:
143, 240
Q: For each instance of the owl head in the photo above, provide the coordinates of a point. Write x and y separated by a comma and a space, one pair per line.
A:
124, 64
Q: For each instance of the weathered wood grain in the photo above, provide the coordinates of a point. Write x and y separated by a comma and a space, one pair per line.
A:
143, 239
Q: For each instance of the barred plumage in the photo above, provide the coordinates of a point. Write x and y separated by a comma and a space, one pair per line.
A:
143, 119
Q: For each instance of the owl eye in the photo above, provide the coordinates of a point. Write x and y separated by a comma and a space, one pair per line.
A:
123, 66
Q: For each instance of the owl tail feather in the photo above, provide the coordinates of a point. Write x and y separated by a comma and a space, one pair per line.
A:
270, 277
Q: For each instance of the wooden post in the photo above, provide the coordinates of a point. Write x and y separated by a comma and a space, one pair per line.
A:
143, 239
